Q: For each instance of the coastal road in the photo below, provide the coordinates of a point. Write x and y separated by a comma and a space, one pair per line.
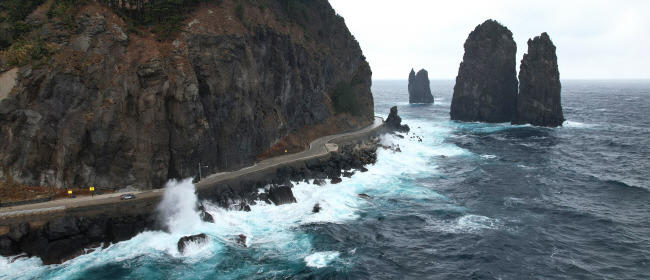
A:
317, 148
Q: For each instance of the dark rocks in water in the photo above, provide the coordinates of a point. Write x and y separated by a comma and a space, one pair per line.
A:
336, 180
365, 196
185, 241
364, 169
539, 102
241, 240
281, 195
317, 208
347, 174
486, 85
394, 122
67, 237
419, 87
205, 216
319, 182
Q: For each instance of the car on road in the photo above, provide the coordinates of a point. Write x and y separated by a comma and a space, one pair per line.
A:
127, 196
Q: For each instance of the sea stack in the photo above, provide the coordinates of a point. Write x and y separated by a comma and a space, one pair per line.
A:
486, 85
394, 121
419, 87
539, 101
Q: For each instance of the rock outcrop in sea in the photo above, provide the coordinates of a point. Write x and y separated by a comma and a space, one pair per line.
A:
419, 87
394, 122
486, 85
112, 108
539, 101
186, 241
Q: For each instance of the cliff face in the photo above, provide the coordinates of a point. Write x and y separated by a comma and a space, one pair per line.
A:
539, 101
486, 85
419, 87
112, 109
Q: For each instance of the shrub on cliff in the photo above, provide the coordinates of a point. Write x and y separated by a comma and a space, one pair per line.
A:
12, 19
23, 52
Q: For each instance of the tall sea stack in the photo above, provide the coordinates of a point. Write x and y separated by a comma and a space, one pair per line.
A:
419, 87
539, 101
486, 85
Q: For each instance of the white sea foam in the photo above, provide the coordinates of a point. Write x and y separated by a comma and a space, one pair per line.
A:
271, 231
178, 208
488, 156
321, 259
574, 124
469, 223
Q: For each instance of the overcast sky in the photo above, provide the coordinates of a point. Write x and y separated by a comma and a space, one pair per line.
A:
594, 39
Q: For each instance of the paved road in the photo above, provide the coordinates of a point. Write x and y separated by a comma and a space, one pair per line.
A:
317, 148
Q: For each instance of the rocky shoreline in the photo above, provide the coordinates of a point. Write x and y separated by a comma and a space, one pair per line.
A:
67, 237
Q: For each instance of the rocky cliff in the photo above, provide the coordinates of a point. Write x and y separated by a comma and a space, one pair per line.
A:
111, 108
539, 101
419, 87
486, 85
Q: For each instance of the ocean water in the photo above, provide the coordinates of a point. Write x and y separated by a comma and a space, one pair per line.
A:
470, 201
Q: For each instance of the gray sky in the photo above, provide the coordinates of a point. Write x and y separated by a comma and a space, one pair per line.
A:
594, 39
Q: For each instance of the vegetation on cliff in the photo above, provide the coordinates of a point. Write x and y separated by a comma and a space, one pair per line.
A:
109, 108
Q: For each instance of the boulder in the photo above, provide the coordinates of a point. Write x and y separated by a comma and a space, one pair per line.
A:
205, 216
539, 101
486, 85
336, 180
319, 182
419, 87
241, 240
281, 195
185, 241
316, 208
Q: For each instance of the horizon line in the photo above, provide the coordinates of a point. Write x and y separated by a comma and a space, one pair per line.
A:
566, 79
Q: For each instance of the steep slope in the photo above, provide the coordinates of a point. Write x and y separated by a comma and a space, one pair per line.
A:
419, 87
486, 85
539, 102
112, 109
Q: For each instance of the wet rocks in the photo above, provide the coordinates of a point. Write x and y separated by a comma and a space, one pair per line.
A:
241, 240
319, 182
364, 196
67, 237
336, 180
394, 122
205, 216
185, 241
539, 101
281, 195
486, 85
419, 87
316, 208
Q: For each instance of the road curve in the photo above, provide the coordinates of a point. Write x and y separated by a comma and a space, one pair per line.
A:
317, 148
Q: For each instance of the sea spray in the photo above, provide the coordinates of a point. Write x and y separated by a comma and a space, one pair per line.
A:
178, 210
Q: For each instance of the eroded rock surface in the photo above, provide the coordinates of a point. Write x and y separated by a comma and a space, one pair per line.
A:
486, 85
539, 102
394, 121
419, 87
113, 109
186, 241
